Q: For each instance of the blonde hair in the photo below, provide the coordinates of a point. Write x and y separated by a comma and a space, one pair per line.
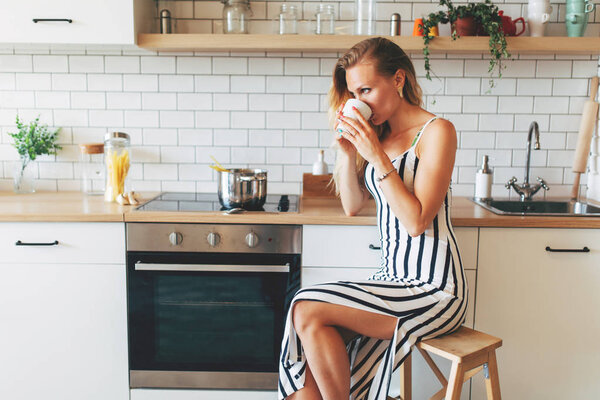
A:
388, 58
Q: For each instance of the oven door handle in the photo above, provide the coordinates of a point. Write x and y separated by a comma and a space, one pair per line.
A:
140, 266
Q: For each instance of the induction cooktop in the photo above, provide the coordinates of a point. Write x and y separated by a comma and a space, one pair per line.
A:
190, 202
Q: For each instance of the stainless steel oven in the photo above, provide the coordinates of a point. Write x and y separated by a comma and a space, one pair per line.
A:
207, 303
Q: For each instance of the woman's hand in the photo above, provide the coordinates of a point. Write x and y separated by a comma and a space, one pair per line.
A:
346, 148
359, 133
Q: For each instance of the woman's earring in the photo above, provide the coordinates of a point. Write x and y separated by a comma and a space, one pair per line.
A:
400, 91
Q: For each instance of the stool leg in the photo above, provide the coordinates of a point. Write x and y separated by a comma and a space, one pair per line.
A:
406, 378
455, 381
492, 383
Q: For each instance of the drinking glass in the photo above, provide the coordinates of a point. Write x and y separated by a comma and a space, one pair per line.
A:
365, 17
288, 20
325, 19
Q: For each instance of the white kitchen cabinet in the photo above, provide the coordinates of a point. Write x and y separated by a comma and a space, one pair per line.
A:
340, 246
92, 21
331, 253
544, 306
348, 246
63, 319
78, 243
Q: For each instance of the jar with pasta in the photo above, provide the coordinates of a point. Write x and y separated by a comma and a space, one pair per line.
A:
117, 160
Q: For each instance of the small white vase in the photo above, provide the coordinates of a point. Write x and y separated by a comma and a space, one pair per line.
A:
538, 15
23, 177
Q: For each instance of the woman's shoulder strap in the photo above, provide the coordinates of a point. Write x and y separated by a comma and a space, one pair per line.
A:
420, 133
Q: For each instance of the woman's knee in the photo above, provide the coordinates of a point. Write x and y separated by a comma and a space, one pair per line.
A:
305, 317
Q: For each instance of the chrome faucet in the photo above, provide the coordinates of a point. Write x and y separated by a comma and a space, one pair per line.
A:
526, 191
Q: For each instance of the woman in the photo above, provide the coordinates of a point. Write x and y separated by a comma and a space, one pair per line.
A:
404, 157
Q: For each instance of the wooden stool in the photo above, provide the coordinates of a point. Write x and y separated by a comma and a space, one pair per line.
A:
470, 352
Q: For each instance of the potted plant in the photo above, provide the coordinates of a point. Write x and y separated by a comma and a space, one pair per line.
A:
484, 16
31, 140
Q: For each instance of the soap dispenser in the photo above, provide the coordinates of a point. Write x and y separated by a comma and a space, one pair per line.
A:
483, 181
319, 167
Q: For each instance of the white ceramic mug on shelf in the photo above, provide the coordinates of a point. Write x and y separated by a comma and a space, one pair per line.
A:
538, 15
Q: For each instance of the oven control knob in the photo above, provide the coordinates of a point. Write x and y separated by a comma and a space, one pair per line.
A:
175, 238
213, 239
252, 239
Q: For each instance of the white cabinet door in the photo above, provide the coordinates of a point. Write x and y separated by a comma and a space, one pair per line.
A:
544, 306
92, 21
349, 246
76, 242
64, 332
63, 312
340, 246
313, 275
467, 239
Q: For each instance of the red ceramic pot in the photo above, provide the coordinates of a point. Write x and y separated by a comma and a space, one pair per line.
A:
509, 26
465, 26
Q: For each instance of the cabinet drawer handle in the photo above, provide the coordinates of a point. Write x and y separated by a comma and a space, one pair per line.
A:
374, 247
19, 243
36, 20
584, 250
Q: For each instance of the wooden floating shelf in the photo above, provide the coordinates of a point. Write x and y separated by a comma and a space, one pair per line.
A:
340, 43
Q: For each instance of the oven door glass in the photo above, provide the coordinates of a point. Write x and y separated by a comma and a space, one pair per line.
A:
208, 312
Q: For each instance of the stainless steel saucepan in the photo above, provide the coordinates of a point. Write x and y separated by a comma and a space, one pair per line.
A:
242, 188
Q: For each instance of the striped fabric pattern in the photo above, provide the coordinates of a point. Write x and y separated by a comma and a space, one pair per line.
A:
421, 282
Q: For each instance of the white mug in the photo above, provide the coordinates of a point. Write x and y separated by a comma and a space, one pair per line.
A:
349, 112
363, 108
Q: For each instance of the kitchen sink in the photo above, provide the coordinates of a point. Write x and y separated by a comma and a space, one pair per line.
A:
542, 207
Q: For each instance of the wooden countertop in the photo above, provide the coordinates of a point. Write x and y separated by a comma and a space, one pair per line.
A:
76, 207
58, 207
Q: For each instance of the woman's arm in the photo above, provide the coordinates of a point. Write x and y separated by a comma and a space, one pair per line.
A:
352, 193
436, 162
437, 150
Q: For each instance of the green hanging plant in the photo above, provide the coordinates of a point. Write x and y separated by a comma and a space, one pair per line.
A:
488, 23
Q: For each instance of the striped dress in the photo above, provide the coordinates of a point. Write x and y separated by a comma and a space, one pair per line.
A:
421, 282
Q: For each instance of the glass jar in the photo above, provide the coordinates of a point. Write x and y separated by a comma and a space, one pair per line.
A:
365, 17
288, 20
325, 19
117, 161
236, 16
91, 166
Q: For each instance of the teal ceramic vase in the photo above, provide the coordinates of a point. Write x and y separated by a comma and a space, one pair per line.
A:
577, 16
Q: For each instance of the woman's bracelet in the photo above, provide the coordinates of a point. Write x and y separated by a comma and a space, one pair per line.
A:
382, 177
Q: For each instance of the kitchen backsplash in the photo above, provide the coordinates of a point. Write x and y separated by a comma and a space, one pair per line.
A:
268, 110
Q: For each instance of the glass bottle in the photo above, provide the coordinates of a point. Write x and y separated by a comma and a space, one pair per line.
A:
325, 18
365, 17
483, 180
91, 166
236, 16
288, 19
117, 161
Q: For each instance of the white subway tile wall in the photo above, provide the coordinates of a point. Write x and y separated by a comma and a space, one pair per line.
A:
269, 110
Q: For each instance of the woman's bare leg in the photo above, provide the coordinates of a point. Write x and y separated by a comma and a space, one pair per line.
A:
316, 322
310, 391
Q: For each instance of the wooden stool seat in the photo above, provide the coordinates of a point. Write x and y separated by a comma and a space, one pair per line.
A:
470, 352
